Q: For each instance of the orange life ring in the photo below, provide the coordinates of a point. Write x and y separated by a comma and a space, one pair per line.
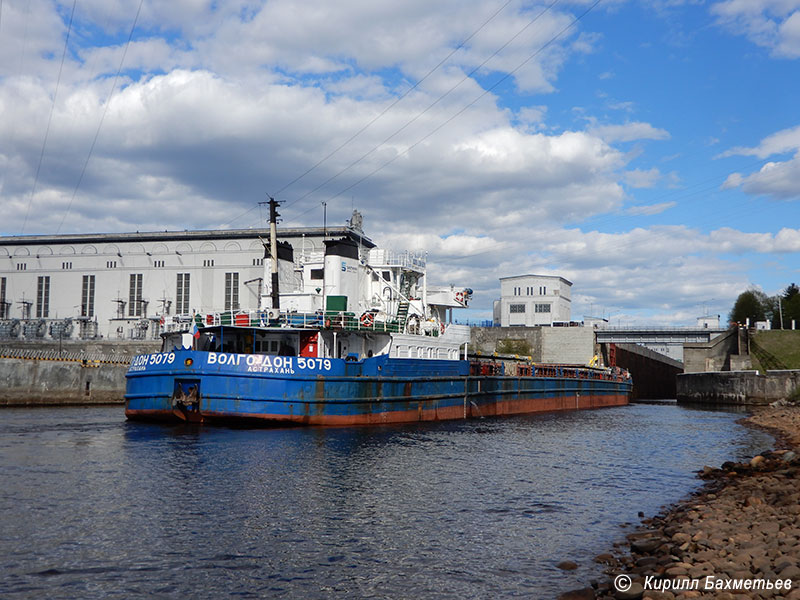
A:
460, 297
368, 319
441, 328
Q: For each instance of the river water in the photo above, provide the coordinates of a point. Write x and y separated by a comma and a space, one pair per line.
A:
93, 506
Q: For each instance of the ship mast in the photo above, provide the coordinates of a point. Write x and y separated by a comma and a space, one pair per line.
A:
273, 251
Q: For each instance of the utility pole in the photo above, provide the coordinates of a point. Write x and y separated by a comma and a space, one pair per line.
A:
273, 250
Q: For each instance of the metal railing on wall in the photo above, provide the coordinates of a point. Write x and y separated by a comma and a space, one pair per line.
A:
85, 358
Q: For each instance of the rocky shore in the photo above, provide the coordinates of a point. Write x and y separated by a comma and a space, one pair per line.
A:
736, 539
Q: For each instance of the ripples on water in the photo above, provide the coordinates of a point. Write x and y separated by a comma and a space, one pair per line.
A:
96, 507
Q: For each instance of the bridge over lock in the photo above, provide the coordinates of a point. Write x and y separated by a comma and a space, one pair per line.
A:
668, 341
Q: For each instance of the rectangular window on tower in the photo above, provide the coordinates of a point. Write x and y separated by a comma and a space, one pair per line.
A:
135, 296
231, 291
43, 297
87, 296
182, 294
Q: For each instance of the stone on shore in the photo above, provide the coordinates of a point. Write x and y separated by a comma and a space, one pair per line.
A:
646, 545
633, 593
582, 594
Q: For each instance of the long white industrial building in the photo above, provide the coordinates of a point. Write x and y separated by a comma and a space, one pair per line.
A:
119, 286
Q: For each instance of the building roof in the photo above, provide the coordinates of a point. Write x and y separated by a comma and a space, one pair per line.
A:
568, 282
211, 234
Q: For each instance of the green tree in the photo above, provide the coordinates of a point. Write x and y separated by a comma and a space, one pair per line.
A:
790, 306
751, 304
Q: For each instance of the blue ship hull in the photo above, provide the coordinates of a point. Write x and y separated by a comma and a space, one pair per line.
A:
195, 386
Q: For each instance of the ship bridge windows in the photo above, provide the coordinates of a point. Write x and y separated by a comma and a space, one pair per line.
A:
248, 341
275, 346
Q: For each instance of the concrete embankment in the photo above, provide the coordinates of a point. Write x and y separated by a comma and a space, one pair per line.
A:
74, 373
737, 387
737, 539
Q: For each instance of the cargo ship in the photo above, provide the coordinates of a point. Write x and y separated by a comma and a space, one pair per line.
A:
353, 335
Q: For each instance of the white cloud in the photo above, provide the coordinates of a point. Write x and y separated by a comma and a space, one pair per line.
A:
625, 106
789, 36
780, 142
638, 178
777, 179
649, 209
228, 142
532, 117
773, 24
628, 132
732, 241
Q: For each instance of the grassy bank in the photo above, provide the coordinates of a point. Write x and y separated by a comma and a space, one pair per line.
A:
775, 349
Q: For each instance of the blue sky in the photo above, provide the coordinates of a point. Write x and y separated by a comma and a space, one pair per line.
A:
647, 151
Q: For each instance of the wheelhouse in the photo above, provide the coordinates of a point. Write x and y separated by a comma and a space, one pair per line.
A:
281, 342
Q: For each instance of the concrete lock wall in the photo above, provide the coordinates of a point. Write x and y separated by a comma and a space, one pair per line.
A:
525, 341
736, 387
27, 382
711, 356
562, 345
42, 373
568, 345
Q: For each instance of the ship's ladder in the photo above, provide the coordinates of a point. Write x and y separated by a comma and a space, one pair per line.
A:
403, 305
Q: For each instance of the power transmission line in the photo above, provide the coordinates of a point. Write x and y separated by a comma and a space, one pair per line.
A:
387, 109
437, 100
469, 105
102, 117
49, 118
399, 98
